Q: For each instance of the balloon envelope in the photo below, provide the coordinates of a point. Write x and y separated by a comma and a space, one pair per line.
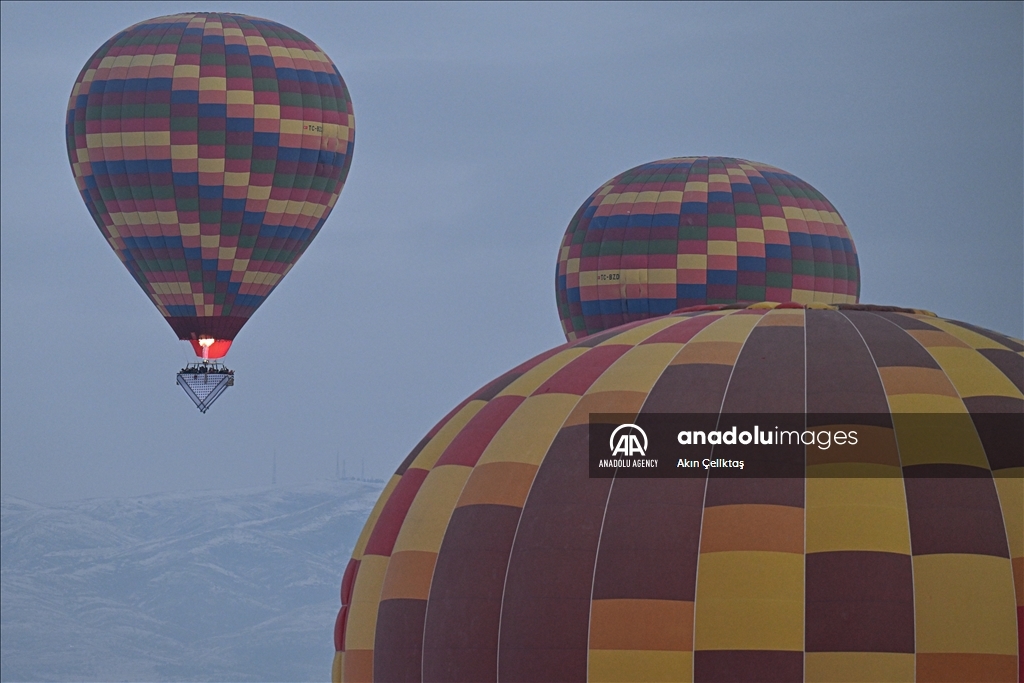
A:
694, 231
209, 149
493, 554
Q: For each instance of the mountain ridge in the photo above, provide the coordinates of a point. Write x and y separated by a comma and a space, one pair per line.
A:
209, 585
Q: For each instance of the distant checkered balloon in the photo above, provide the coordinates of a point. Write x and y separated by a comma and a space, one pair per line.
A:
209, 149
694, 231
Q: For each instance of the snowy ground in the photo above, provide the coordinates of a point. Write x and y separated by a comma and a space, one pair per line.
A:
222, 585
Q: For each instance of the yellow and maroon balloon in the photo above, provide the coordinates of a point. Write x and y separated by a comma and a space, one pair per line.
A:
210, 149
492, 553
696, 231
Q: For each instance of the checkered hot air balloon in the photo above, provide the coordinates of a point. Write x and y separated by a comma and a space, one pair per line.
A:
493, 555
692, 231
210, 149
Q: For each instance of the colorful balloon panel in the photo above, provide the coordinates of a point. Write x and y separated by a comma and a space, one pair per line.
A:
209, 149
693, 231
492, 555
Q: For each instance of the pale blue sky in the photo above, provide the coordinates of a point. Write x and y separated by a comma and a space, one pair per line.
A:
479, 131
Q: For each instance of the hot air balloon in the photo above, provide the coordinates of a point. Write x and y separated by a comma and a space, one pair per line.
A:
493, 554
209, 149
695, 231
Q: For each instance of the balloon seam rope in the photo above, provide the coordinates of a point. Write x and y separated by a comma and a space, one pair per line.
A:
803, 660
899, 456
519, 522
707, 480
611, 488
597, 554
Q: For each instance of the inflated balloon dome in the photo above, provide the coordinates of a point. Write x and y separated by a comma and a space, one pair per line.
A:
493, 554
690, 231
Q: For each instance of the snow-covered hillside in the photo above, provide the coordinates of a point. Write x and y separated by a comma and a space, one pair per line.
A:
222, 585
